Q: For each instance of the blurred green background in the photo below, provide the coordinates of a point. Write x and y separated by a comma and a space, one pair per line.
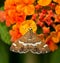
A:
6, 56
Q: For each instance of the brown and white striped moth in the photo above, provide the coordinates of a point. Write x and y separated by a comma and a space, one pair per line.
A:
29, 42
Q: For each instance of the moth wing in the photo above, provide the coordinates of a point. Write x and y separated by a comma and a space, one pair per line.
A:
39, 48
19, 47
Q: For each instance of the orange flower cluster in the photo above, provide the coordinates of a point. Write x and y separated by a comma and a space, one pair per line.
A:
23, 14
16, 11
54, 38
15, 34
13, 17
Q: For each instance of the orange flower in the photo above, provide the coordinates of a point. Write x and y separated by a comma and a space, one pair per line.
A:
57, 9
10, 4
27, 1
58, 35
26, 25
26, 6
28, 9
15, 34
13, 17
46, 29
57, 1
57, 27
16, 10
13, 3
41, 24
51, 44
44, 2
54, 37
2, 16
57, 18
42, 37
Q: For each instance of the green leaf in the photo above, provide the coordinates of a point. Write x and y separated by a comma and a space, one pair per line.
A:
5, 37
4, 53
2, 8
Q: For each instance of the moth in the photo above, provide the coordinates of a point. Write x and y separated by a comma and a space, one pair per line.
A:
29, 42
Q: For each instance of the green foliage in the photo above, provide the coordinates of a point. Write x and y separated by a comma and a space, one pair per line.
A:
55, 56
5, 37
1, 8
4, 55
